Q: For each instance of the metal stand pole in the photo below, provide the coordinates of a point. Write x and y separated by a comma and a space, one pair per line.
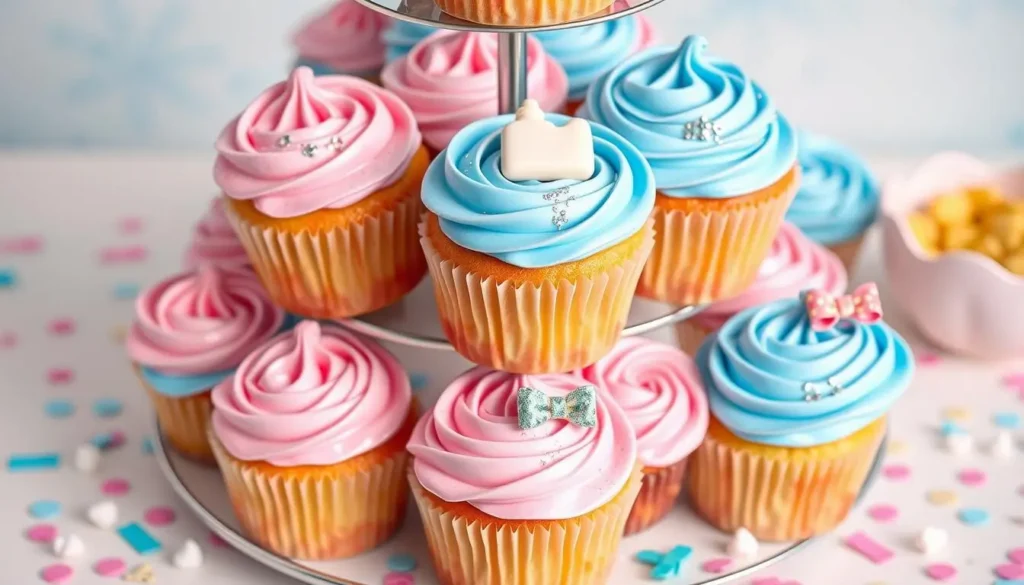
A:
511, 71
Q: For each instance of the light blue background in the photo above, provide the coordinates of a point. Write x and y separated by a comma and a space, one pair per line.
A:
885, 75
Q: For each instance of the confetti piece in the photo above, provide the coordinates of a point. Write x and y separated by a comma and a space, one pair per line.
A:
41, 533
109, 567
896, 472
58, 376
123, 254
126, 291
883, 512
59, 573
8, 339
950, 428
715, 565
1014, 380
971, 477
137, 538
1016, 556
418, 381
402, 563
399, 579
1009, 571
923, 357
8, 278
1007, 420
216, 541
147, 446
116, 487
896, 447
942, 497
107, 407
44, 509
160, 516
59, 408
61, 326
21, 244
973, 516
869, 548
130, 225
957, 413
139, 574
940, 571
33, 461
107, 441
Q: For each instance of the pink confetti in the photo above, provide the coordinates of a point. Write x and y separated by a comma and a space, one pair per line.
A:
399, 579
116, 487
62, 326
1009, 571
883, 512
896, 471
41, 533
130, 225
117, 439
715, 565
1014, 380
870, 548
109, 567
1016, 556
8, 339
924, 357
121, 254
21, 244
216, 541
58, 376
59, 573
940, 571
159, 516
971, 477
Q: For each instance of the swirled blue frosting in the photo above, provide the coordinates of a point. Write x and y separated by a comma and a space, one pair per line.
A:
588, 52
481, 210
652, 98
402, 36
838, 197
756, 365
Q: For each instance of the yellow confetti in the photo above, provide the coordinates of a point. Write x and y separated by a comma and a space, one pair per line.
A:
957, 413
942, 497
897, 447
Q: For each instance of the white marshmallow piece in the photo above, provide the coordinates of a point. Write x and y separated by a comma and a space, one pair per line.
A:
87, 458
103, 514
1002, 445
68, 547
931, 540
960, 443
189, 556
533, 149
742, 545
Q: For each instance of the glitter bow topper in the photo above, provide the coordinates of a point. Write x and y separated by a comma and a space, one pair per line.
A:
578, 407
825, 310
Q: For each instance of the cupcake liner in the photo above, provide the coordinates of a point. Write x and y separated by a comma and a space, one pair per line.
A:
522, 12
339, 272
482, 550
848, 251
777, 493
316, 513
659, 491
552, 327
700, 257
183, 421
690, 335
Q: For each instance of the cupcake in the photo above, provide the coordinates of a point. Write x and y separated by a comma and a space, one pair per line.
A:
724, 163
799, 390
310, 436
523, 479
190, 332
214, 241
322, 177
838, 197
588, 52
451, 79
344, 40
795, 263
660, 390
522, 12
401, 36
534, 276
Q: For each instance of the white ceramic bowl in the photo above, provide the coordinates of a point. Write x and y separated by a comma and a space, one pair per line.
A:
962, 301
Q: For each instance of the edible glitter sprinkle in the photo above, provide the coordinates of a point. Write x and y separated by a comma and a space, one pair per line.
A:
559, 206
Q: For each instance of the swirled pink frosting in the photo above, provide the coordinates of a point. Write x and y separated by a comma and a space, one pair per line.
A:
450, 79
263, 152
794, 264
346, 38
659, 388
201, 322
469, 448
214, 241
317, 395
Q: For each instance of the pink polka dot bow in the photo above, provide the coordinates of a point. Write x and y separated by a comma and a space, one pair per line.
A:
825, 310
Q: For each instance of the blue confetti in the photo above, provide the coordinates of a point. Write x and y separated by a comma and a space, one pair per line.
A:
104, 441
668, 565
126, 291
418, 381
1006, 582
1007, 420
44, 509
33, 461
973, 516
59, 408
401, 563
8, 278
950, 428
140, 540
147, 446
107, 407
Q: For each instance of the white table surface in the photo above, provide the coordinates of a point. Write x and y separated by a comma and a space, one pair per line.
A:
77, 203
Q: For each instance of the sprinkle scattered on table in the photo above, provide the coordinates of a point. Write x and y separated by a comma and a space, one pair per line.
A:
130, 225
109, 567
1007, 420
147, 445
896, 471
126, 291
957, 413
41, 533
8, 278
402, 563
139, 539
1015, 555
971, 477
59, 376
715, 566
869, 548
107, 407
107, 441
61, 326
59, 408
123, 254
116, 487
418, 381
33, 461
973, 516
896, 447
924, 357
44, 509
940, 571
8, 339
942, 497
21, 244
667, 565
883, 512
396, 578
58, 573
161, 516
1009, 571
950, 428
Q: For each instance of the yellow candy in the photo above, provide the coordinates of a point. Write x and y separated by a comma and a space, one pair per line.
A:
990, 246
1015, 263
952, 209
1008, 228
959, 237
984, 197
925, 229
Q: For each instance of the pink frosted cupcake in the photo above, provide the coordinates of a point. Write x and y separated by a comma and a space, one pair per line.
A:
794, 264
523, 479
190, 332
214, 241
660, 389
344, 40
310, 436
450, 79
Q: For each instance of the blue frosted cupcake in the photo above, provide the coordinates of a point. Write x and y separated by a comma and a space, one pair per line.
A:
588, 52
402, 36
799, 390
838, 197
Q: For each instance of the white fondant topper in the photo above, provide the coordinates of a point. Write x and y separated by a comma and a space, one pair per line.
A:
534, 149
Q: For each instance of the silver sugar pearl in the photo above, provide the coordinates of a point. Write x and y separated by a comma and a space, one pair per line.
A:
284, 141
309, 150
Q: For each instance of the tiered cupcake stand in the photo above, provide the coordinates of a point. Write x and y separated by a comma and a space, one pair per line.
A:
411, 326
